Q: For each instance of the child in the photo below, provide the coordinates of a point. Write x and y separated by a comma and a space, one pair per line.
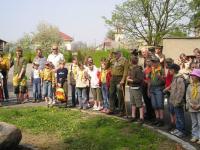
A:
95, 86
135, 80
149, 114
48, 79
105, 76
155, 89
1, 89
176, 99
36, 81
193, 102
62, 74
166, 91
81, 84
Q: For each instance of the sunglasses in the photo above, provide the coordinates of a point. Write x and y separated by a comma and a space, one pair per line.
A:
55, 49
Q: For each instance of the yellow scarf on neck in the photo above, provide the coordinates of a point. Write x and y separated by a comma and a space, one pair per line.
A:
194, 90
155, 71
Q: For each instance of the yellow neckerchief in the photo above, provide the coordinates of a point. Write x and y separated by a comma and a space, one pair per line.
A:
154, 71
195, 90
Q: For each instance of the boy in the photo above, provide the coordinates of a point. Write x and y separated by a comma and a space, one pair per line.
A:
155, 89
177, 99
36, 81
62, 74
135, 80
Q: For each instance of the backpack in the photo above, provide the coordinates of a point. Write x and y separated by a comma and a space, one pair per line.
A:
60, 94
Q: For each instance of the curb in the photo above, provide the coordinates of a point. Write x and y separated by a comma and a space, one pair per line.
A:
184, 144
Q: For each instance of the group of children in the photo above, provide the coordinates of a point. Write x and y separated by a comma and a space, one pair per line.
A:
148, 85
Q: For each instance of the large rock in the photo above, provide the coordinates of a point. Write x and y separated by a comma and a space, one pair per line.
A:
10, 136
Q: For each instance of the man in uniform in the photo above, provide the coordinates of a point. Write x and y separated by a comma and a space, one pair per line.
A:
119, 69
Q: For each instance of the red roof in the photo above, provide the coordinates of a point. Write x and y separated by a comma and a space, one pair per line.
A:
66, 37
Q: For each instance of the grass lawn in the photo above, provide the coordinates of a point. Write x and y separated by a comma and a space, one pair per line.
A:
58, 128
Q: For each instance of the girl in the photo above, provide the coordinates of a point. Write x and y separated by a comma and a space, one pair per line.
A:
81, 84
48, 78
105, 76
94, 75
193, 102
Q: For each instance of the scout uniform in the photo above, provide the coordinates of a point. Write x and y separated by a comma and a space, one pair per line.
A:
119, 68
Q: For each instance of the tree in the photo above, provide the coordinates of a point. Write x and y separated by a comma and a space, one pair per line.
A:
110, 34
177, 32
149, 20
46, 35
195, 19
25, 42
78, 46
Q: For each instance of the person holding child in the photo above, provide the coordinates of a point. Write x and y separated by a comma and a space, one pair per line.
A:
193, 103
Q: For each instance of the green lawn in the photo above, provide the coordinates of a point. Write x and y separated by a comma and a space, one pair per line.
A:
78, 130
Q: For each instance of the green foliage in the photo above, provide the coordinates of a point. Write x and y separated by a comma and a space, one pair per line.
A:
82, 130
149, 20
177, 32
25, 42
29, 55
47, 35
195, 19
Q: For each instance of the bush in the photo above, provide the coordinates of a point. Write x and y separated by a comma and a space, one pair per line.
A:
29, 55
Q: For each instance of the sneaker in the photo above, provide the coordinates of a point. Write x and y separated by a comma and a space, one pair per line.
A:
194, 139
141, 121
95, 107
132, 119
173, 132
179, 134
155, 122
160, 124
198, 142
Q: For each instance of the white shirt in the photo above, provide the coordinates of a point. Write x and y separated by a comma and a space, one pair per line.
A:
36, 73
55, 59
94, 82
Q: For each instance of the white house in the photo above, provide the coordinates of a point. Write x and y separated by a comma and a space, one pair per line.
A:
67, 40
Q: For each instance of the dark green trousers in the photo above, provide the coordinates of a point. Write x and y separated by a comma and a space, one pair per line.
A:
116, 93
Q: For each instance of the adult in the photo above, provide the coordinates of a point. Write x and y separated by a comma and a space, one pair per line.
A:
142, 58
184, 64
19, 78
160, 55
4, 67
73, 75
40, 59
119, 69
55, 57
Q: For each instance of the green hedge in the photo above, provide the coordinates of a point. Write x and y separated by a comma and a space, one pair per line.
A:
81, 54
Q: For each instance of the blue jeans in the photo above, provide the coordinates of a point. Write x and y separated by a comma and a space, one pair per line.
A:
47, 89
82, 97
157, 97
195, 117
37, 89
104, 90
180, 119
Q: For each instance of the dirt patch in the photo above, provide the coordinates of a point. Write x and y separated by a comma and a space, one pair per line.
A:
43, 141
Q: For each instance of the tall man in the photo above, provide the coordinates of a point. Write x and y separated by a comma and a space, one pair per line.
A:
119, 69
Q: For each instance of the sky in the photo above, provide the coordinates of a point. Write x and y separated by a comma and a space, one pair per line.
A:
81, 19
